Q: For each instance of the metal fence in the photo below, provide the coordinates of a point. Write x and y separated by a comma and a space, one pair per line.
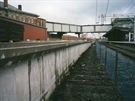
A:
121, 70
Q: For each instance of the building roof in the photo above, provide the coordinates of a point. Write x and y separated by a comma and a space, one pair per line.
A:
122, 19
14, 9
114, 29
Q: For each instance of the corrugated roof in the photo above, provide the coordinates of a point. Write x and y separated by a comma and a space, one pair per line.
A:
10, 7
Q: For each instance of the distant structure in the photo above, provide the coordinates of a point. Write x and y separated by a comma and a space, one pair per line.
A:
69, 37
31, 27
122, 30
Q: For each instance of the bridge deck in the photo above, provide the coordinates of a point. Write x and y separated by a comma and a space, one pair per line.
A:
88, 81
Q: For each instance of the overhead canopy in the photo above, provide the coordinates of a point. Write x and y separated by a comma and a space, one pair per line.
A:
117, 33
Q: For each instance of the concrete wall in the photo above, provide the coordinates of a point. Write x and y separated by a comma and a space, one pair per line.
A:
35, 78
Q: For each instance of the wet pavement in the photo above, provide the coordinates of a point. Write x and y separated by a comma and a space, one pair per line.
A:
87, 81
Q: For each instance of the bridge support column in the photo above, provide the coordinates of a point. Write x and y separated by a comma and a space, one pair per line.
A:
78, 35
48, 35
134, 28
55, 36
60, 34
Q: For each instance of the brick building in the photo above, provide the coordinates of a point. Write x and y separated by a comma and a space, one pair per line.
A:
34, 27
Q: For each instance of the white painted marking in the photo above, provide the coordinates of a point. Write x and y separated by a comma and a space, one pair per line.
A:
9, 63
3, 56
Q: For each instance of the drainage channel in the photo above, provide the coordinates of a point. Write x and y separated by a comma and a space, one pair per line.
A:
87, 81
120, 66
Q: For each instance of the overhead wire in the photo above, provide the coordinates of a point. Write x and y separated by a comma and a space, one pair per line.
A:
127, 7
130, 8
107, 8
96, 14
104, 16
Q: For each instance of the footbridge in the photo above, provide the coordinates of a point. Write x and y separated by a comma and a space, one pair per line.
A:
63, 28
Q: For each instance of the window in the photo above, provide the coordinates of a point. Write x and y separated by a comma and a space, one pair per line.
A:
14, 17
19, 18
41, 23
131, 25
31, 20
23, 19
28, 19
3, 13
126, 25
38, 23
10, 15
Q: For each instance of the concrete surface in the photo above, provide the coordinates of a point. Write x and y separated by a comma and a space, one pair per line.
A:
35, 75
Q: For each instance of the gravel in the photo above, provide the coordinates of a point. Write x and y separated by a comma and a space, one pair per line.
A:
87, 81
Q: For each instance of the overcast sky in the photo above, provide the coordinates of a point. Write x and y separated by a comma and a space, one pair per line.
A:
75, 11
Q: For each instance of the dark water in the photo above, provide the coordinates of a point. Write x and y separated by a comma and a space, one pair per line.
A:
126, 71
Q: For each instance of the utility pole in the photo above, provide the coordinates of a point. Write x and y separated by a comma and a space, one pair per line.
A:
129, 37
134, 28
